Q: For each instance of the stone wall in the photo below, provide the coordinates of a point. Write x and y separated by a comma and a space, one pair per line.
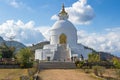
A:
9, 66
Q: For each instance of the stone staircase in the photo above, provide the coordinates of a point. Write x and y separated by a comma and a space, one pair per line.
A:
56, 65
62, 53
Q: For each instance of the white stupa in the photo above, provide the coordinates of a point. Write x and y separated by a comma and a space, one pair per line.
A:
63, 42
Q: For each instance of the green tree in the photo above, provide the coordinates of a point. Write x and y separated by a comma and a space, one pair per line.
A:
6, 52
93, 57
25, 57
12, 49
0, 55
116, 62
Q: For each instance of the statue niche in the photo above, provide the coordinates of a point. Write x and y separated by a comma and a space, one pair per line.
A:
62, 39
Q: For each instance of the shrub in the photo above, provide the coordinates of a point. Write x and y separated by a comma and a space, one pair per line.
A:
33, 70
79, 64
116, 63
95, 70
24, 78
26, 65
101, 70
76, 62
118, 73
98, 70
105, 64
86, 69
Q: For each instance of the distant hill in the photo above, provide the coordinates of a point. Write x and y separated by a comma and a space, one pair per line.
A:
1, 39
17, 45
38, 45
103, 55
106, 56
86, 47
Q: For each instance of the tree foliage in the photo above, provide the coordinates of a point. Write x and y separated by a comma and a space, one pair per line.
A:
79, 64
93, 57
7, 52
116, 62
0, 54
24, 56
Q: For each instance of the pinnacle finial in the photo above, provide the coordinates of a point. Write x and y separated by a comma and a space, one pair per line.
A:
63, 7
63, 14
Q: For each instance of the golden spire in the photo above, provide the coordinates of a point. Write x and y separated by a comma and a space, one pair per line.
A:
63, 10
63, 14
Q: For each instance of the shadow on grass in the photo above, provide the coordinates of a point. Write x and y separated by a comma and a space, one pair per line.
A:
110, 78
37, 78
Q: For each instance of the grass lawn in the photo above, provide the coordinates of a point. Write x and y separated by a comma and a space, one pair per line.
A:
56, 74
74, 74
65, 74
12, 74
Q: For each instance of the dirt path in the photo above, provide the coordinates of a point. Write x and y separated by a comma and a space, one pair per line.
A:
65, 74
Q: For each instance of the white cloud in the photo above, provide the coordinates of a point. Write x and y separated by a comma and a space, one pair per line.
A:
26, 33
45, 32
79, 13
17, 4
54, 17
108, 42
14, 3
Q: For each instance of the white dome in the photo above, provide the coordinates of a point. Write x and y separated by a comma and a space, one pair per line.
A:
63, 27
63, 24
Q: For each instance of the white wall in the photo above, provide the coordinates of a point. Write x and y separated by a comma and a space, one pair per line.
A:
38, 54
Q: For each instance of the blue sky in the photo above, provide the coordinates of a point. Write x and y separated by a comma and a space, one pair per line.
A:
41, 11
98, 21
